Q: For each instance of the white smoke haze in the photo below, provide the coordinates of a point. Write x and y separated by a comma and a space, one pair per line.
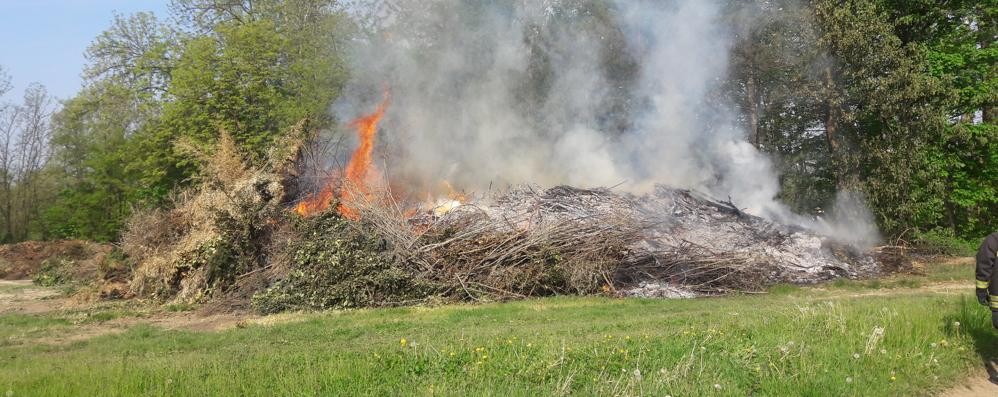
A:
577, 92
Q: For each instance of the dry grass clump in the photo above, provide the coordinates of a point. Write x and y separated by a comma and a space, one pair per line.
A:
214, 232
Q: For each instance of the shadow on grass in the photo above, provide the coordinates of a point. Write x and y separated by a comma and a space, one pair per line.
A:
975, 320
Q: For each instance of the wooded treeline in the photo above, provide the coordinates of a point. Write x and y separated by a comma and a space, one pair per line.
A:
892, 98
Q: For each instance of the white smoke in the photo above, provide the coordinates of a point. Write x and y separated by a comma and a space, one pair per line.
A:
497, 93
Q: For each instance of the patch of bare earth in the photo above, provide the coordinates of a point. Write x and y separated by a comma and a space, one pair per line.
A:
21, 296
981, 384
169, 321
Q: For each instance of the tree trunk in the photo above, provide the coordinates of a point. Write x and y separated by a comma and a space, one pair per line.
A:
832, 119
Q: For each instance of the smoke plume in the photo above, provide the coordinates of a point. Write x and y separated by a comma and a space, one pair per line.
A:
579, 92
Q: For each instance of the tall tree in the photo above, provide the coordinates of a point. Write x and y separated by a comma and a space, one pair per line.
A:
25, 130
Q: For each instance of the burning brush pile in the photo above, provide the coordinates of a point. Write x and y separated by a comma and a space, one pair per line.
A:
526, 242
240, 236
357, 244
672, 242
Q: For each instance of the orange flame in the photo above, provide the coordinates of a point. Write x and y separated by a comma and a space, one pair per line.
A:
454, 194
358, 174
358, 171
317, 202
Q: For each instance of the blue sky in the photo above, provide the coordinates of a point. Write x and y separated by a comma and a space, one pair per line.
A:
43, 40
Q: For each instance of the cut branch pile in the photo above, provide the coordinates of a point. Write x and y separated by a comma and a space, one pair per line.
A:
475, 252
566, 240
694, 268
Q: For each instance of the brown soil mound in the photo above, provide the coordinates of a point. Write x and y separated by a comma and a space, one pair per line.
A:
23, 260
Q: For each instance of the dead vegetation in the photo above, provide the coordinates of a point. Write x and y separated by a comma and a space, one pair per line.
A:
517, 243
215, 232
529, 242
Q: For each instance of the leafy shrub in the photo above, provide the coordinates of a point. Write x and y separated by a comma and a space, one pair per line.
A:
336, 263
54, 271
944, 242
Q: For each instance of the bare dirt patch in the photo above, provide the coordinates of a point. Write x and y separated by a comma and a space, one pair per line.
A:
21, 296
980, 384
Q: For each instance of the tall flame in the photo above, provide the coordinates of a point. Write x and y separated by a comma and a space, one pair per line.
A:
358, 172
358, 175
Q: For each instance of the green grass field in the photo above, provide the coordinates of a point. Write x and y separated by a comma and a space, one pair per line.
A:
895, 337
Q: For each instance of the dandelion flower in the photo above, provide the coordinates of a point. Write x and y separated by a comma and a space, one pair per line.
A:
403, 342
893, 378
855, 355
